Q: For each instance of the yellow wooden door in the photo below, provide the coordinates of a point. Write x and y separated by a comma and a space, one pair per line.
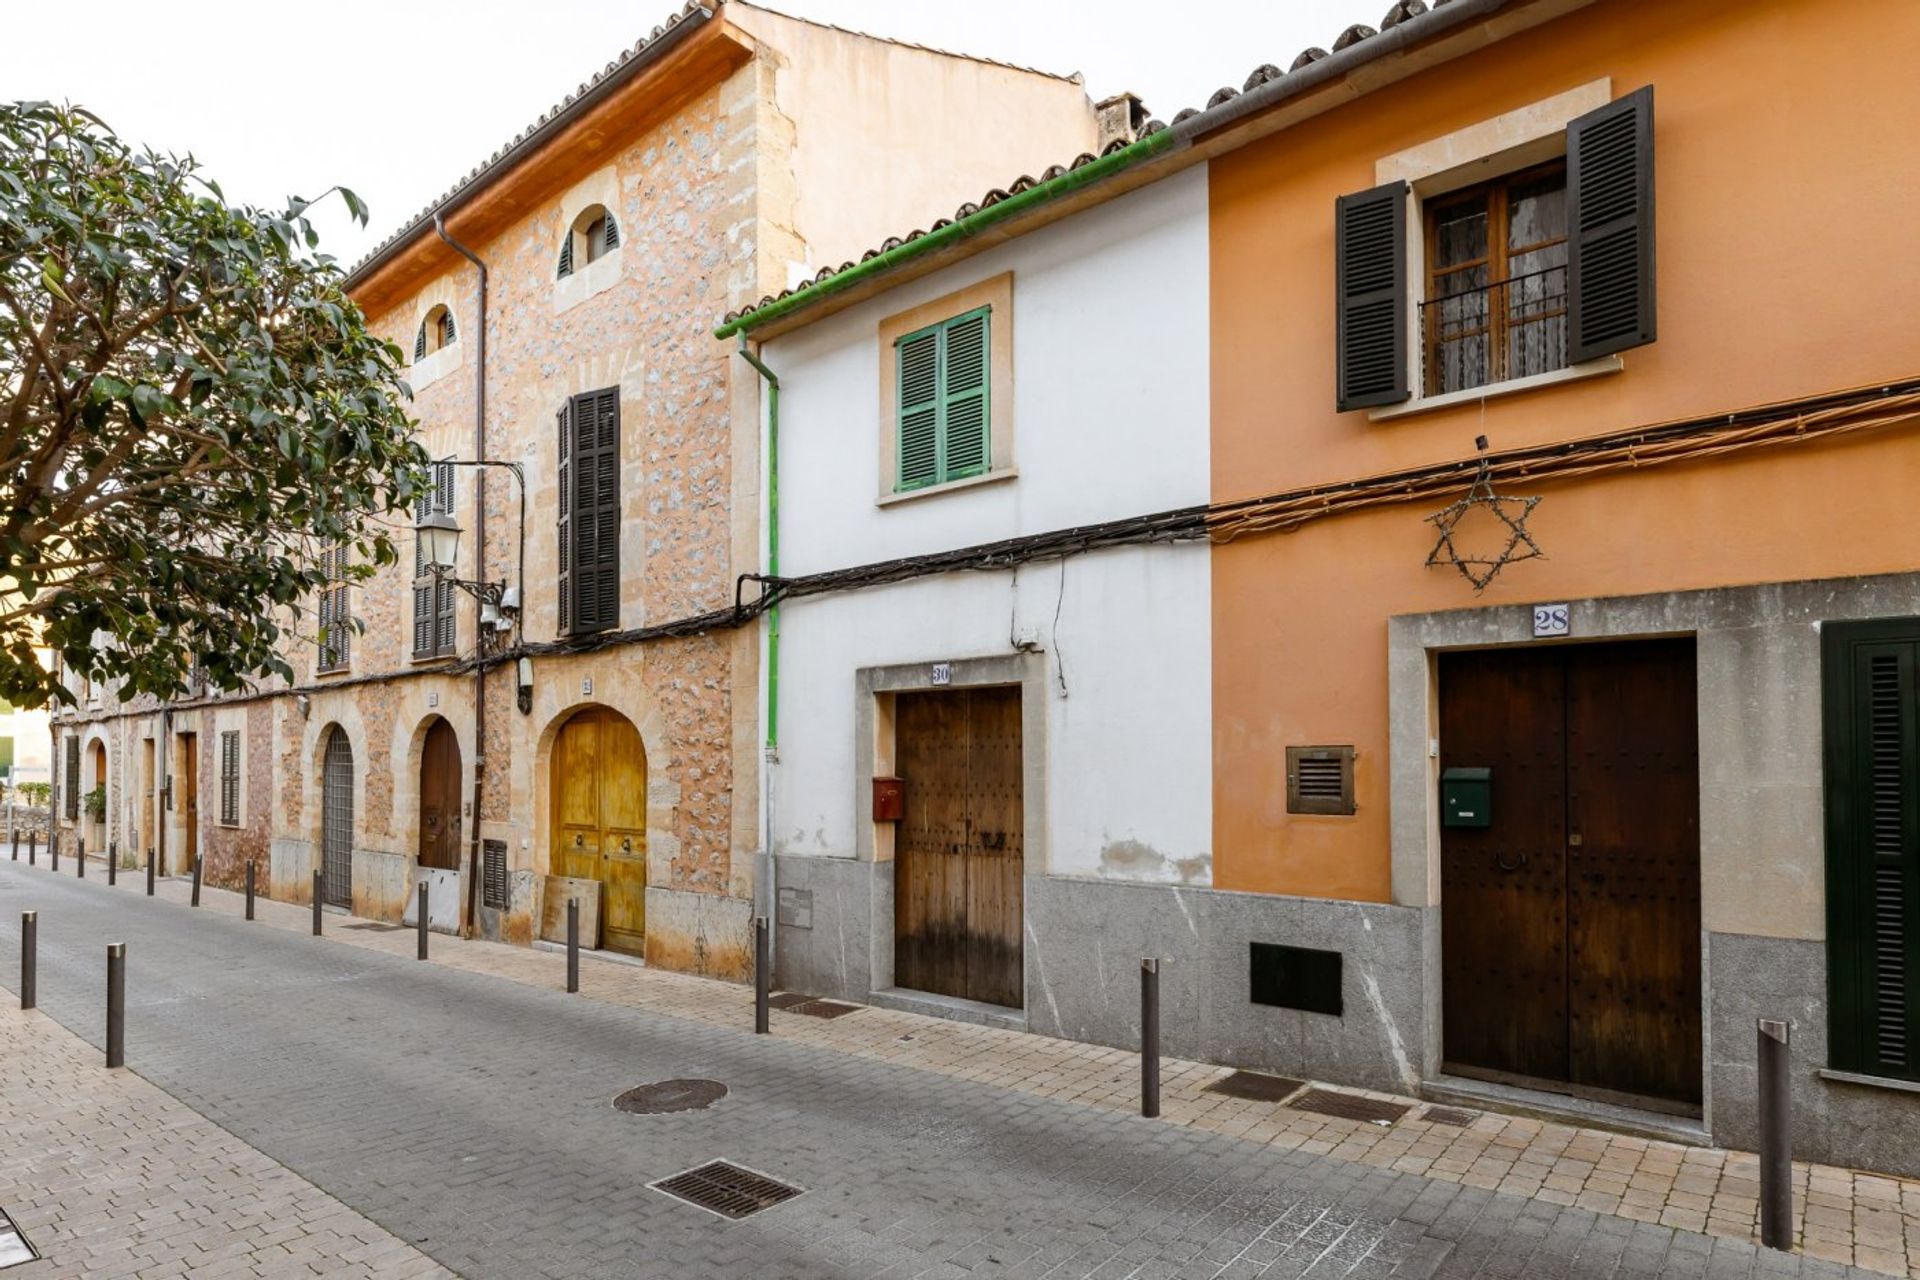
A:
599, 828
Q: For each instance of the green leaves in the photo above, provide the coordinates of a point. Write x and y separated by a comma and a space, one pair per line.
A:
206, 413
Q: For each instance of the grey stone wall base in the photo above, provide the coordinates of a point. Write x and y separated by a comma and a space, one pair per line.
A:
849, 909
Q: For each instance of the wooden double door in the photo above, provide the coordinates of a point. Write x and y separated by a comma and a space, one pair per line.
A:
599, 828
959, 851
1571, 924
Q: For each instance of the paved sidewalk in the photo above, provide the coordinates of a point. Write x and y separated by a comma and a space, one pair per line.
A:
107, 1176
1670, 1190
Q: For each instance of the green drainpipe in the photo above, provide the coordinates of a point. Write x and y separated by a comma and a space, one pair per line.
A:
773, 540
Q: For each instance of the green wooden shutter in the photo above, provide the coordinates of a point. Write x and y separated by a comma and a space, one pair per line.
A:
963, 396
943, 380
1873, 845
918, 380
564, 425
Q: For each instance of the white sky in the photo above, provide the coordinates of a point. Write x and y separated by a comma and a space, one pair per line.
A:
399, 98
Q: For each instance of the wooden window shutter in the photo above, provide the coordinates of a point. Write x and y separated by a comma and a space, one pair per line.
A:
1610, 275
1370, 291
595, 511
433, 620
564, 532
420, 343
566, 255
918, 382
963, 396
446, 328
1320, 780
230, 777
1873, 845
71, 800
612, 232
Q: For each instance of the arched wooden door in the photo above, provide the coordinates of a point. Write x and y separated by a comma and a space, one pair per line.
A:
599, 826
440, 798
98, 825
336, 821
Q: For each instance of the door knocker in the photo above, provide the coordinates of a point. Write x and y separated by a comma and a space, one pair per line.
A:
626, 844
1519, 861
579, 840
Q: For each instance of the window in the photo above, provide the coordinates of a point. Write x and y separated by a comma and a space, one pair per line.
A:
70, 793
589, 533
436, 332
336, 619
433, 627
593, 235
1548, 266
230, 777
1496, 303
1871, 672
941, 415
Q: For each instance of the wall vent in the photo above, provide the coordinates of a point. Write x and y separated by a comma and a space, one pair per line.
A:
1320, 780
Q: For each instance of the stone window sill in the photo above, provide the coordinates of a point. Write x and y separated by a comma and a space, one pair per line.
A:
1474, 395
1870, 1082
951, 486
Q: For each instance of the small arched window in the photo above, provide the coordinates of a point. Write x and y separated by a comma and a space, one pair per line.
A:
436, 332
593, 235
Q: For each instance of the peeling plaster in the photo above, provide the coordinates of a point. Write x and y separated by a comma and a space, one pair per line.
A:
1139, 861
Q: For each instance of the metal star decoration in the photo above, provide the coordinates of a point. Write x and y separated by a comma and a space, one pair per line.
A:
1511, 511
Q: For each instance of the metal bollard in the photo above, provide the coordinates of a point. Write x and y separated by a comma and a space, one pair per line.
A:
149, 871
422, 923
249, 888
573, 945
1149, 1038
33, 847
11, 844
316, 902
197, 863
29, 958
762, 977
80, 863
53, 849
1776, 1137
113, 862
116, 1004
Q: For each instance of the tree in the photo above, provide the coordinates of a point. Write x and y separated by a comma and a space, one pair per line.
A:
192, 415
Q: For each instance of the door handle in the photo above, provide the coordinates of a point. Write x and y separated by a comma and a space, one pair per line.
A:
626, 844
579, 841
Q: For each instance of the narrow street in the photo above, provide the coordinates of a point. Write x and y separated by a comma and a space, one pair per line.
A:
470, 1117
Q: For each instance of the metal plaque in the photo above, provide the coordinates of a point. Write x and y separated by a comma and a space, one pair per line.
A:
943, 673
795, 908
1550, 620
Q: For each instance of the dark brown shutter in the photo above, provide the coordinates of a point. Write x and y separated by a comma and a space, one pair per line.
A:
71, 799
1370, 285
566, 254
564, 423
447, 333
230, 778
613, 232
1873, 845
420, 343
595, 513
1610, 228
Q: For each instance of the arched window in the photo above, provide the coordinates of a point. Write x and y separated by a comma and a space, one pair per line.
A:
436, 332
593, 235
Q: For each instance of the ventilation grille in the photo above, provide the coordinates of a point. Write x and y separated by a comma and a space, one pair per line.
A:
1320, 780
1255, 1086
727, 1189
493, 874
1349, 1106
1886, 782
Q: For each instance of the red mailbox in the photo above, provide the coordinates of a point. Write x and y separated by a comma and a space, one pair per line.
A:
889, 799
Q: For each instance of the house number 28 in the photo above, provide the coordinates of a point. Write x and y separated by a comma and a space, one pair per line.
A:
1552, 620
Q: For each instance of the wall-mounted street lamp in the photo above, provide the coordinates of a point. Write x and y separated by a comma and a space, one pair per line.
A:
440, 542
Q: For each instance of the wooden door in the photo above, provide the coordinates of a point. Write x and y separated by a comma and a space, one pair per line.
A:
599, 825
1571, 935
440, 798
189, 800
960, 861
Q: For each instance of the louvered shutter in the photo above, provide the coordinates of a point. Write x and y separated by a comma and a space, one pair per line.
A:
230, 778
1873, 846
963, 396
566, 255
71, 800
564, 532
1610, 275
447, 333
420, 343
422, 586
612, 233
918, 382
1370, 288
595, 511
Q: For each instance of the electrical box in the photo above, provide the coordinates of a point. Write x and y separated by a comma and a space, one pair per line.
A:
1466, 797
889, 799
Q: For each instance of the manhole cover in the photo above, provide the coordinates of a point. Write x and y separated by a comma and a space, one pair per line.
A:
1349, 1106
14, 1248
824, 1009
1255, 1086
1447, 1115
670, 1095
726, 1189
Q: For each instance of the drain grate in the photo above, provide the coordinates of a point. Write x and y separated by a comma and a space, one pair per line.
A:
824, 1009
788, 999
1255, 1086
670, 1095
1448, 1115
374, 926
14, 1246
726, 1189
1349, 1106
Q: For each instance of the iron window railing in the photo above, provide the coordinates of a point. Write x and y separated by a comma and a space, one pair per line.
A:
1512, 328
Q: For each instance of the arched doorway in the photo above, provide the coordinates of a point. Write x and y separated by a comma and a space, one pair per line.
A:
336, 821
599, 822
440, 798
97, 818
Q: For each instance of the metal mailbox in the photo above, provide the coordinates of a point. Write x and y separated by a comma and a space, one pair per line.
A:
1466, 797
889, 799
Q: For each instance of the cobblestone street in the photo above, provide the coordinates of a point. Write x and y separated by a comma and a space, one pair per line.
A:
316, 1095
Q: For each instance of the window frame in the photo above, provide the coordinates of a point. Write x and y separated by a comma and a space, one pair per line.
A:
944, 472
995, 296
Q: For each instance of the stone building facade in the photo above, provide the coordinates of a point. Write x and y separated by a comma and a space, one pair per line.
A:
732, 152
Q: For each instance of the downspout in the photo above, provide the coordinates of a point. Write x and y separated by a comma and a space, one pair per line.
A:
772, 714
479, 570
